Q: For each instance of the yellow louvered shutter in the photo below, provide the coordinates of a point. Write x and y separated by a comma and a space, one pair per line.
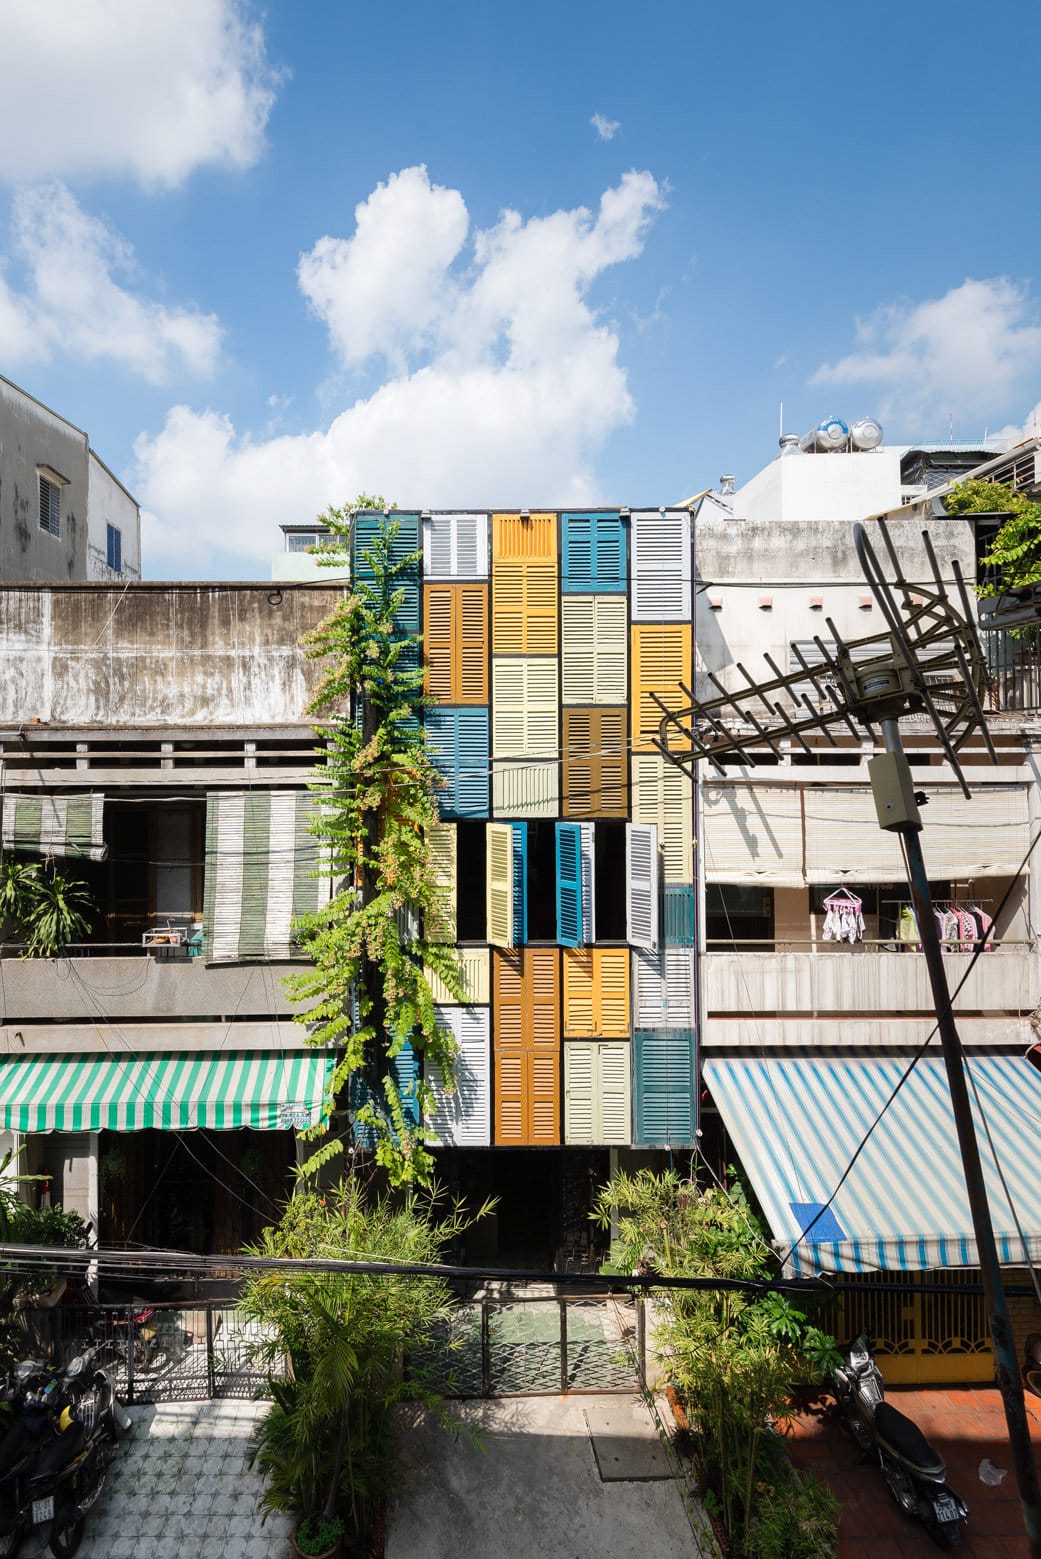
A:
474, 965
614, 991
594, 639
525, 707
524, 608
596, 992
662, 795
660, 664
533, 536
499, 877
441, 841
595, 763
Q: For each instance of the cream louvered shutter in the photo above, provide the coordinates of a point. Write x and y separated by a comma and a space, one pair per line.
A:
441, 841
580, 1092
499, 868
523, 789
641, 861
475, 967
597, 1093
662, 795
615, 1080
525, 707
463, 1118
594, 649
661, 566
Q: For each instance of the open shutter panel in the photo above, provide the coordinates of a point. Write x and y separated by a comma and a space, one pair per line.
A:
463, 1118
55, 826
442, 842
666, 1089
615, 1079
569, 885
580, 1093
660, 666
587, 864
662, 795
499, 858
520, 883
641, 862
661, 582
455, 546
260, 861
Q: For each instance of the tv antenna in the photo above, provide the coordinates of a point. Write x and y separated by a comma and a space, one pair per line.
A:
926, 661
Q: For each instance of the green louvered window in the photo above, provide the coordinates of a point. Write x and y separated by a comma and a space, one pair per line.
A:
70, 826
260, 865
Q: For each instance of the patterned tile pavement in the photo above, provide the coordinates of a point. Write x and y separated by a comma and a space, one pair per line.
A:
181, 1486
965, 1424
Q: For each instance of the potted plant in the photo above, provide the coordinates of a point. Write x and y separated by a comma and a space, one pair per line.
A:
319, 1537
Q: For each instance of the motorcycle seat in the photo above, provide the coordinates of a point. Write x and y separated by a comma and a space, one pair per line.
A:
902, 1435
63, 1449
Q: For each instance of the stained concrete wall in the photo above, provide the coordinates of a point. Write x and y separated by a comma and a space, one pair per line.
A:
31, 436
192, 654
109, 503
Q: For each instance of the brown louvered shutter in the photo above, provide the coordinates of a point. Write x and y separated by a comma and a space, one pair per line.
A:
437, 641
595, 762
527, 1047
472, 661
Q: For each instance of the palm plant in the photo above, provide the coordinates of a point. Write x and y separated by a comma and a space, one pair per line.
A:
55, 911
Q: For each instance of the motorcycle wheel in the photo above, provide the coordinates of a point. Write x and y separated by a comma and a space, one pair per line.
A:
902, 1489
65, 1540
945, 1534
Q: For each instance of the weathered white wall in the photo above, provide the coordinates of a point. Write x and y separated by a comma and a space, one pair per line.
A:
823, 488
109, 503
32, 436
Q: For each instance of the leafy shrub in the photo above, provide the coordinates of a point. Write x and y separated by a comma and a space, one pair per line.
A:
796, 1518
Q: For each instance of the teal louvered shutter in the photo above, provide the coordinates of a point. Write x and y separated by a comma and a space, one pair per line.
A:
364, 530
569, 884
520, 884
594, 552
666, 1089
679, 915
260, 873
458, 742
404, 1069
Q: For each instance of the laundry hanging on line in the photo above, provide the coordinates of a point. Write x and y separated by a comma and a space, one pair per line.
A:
843, 917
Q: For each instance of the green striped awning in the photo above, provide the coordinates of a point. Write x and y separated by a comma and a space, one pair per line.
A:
261, 860
265, 1090
55, 825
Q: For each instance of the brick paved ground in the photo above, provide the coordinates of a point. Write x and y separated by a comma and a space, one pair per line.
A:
965, 1424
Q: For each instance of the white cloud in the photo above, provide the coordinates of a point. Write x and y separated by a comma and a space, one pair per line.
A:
1015, 433
504, 384
970, 353
122, 87
605, 128
73, 302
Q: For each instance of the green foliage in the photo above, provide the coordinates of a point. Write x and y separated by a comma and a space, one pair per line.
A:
326, 1446
376, 787
1015, 553
316, 1535
735, 1355
796, 1518
46, 909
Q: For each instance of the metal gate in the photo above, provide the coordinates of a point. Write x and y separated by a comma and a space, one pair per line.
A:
921, 1338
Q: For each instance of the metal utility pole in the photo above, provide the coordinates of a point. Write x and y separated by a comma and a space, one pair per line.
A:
927, 661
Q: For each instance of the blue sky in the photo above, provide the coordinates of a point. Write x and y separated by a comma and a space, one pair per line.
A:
478, 255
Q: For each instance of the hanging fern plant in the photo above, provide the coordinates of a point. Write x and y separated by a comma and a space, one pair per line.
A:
368, 991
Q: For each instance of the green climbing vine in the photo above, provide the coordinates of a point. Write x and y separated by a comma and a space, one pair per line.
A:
368, 991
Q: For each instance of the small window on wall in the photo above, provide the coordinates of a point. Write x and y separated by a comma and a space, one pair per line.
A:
50, 505
739, 917
471, 905
114, 548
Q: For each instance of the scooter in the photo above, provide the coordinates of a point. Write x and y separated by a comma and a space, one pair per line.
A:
914, 1471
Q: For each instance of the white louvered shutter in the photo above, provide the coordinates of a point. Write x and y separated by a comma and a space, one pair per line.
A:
499, 877
463, 1118
661, 567
580, 1096
588, 871
663, 989
641, 862
455, 546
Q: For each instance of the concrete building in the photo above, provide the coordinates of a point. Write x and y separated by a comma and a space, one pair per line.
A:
63, 515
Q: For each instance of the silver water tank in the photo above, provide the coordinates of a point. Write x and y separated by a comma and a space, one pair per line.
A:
866, 433
830, 434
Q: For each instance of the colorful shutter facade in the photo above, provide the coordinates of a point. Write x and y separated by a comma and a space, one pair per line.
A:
455, 643
442, 844
594, 643
455, 546
597, 1093
463, 1118
364, 530
527, 1047
260, 863
596, 762
662, 795
661, 576
594, 551
525, 708
666, 1103
661, 666
458, 742
596, 993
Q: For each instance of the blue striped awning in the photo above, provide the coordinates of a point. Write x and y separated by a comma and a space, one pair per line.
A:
796, 1124
182, 1091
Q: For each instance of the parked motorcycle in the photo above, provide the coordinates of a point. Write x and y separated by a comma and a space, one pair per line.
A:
55, 1455
914, 1471
1032, 1364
